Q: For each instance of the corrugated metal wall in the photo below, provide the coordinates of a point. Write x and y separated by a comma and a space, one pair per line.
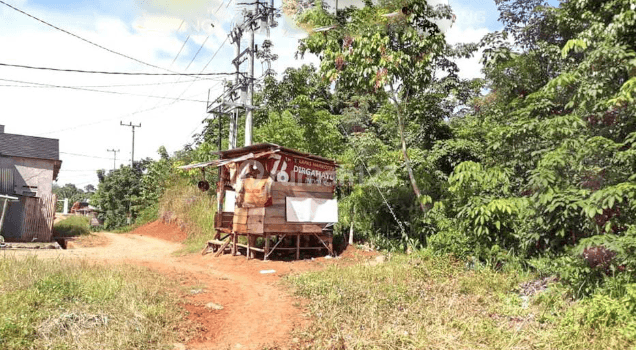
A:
6, 181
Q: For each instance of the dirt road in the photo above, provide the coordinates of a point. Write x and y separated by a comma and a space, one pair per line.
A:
257, 311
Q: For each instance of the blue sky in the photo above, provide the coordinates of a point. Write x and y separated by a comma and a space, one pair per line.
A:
152, 31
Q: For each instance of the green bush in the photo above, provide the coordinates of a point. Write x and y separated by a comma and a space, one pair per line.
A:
77, 305
72, 226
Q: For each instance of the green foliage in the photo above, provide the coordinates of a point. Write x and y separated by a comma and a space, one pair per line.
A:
75, 305
72, 193
74, 225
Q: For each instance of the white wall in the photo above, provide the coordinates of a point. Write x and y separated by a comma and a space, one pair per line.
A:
30, 172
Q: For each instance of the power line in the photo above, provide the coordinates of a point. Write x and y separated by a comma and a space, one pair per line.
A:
111, 73
102, 91
108, 119
197, 54
85, 40
207, 64
114, 85
83, 155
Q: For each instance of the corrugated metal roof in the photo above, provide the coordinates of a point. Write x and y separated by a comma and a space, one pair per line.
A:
13, 145
270, 146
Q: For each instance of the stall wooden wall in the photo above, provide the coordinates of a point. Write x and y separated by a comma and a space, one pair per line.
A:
271, 219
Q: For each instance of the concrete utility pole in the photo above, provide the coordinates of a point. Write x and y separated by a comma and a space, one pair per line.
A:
132, 157
260, 17
114, 157
250, 86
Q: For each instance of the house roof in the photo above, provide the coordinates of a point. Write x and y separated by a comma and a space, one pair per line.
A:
13, 145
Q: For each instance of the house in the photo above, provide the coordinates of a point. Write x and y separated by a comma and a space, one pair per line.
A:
28, 167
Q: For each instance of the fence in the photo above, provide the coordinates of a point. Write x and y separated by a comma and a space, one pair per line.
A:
39, 214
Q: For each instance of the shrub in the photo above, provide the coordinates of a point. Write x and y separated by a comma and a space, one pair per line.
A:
72, 226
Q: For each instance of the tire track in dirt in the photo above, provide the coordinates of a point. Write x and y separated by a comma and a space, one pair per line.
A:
257, 310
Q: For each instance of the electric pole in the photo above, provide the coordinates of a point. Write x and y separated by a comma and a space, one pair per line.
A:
229, 103
114, 157
250, 86
133, 126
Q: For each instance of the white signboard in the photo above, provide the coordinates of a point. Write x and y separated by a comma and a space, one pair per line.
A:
229, 202
302, 209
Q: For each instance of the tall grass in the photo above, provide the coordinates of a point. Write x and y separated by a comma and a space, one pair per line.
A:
185, 205
428, 302
77, 305
74, 225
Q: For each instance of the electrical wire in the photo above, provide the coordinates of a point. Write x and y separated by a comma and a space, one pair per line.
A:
101, 91
112, 73
197, 54
108, 119
132, 85
83, 155
376, 186
85, 40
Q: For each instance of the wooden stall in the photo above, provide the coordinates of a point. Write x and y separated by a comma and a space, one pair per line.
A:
280, 197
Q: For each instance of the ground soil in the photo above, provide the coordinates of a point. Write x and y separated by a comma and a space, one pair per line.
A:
258, 311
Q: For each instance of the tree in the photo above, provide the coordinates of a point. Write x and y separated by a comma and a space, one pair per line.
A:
118, 195
391, 51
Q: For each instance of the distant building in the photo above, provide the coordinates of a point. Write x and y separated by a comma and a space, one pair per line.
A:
28, 167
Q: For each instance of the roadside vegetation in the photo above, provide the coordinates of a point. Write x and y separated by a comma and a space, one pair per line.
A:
527, 171
77, 305
73, 225
425, 301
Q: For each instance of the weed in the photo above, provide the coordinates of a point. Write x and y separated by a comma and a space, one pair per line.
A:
74, 225
424, 301
76, 305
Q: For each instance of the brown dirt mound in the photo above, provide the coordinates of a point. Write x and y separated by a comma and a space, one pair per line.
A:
161, 230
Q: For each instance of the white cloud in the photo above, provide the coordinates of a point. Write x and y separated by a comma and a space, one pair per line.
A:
469, 27
88, 122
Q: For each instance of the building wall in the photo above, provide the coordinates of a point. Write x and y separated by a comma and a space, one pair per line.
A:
30, 176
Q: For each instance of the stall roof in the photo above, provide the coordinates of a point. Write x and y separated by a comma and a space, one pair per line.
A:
252, 152
270, 146
221, 162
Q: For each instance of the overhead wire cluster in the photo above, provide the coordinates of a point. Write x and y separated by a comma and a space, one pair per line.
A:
166, 72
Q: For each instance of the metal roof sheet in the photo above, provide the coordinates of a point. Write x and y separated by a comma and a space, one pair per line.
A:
13, 145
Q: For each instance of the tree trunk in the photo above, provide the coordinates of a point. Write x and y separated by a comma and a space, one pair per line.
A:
407, 160
353, 218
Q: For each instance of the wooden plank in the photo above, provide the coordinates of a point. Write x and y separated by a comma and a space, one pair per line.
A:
266, 250
293, 228
256, 211
282, 193
249, 228
222, 248
278, 186
266, 220
240, 220
252, 248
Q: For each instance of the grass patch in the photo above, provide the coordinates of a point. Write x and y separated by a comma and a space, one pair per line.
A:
73, 225
424, 301
146, 215
77, 305
191, 209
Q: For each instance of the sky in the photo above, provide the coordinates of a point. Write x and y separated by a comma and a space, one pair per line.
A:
182, 36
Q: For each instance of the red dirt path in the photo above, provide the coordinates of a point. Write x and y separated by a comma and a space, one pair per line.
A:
257, 311
161, 230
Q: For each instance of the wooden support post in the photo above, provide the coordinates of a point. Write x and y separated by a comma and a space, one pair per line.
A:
297, 247
234, 241
266, 247
249, 250
251, 242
